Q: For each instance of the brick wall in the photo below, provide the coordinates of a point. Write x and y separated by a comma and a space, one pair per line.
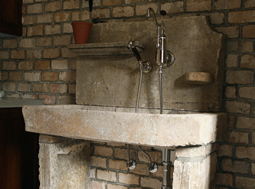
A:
39, 66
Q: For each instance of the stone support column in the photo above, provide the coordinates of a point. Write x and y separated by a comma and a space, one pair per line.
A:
195, 167
63, 163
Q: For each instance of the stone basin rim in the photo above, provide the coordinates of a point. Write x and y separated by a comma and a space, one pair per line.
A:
158, 130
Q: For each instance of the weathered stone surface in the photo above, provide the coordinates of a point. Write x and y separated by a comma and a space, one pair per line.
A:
165, 130
63, 163
203, 48
195, 173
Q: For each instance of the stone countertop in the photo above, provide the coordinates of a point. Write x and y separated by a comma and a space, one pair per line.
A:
16, 103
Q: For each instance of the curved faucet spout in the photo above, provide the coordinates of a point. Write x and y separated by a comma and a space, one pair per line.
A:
148, 15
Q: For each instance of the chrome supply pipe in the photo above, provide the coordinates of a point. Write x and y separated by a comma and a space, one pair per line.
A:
139, 89
160, 89
166, 156
163, 58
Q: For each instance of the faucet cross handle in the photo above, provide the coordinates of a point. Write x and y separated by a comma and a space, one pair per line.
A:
145, 66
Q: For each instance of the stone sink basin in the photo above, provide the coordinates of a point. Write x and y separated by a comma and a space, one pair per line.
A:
159, 130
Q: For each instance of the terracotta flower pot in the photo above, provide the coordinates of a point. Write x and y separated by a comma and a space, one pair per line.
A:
81, 32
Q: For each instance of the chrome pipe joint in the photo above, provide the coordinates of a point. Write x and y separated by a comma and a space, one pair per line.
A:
145, 66
163, 56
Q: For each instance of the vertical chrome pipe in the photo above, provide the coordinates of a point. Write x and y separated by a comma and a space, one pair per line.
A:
166, 155
160, 89
139, 89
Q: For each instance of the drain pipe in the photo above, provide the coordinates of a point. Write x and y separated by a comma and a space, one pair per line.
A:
166, 154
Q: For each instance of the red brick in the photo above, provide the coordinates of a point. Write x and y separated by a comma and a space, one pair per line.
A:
34, 8
245, 182
240, 46
35, 30
45, 18
249, 3
9, 86
66, 99
103, 151
28, 19
227, 4
238, 137
18, 54
62, 16
247, 61
241, 107
230, 31
43, 42
71, 4
150, 182
27, 43
40, 87
72, 88
241, 16
249, 31
48, 99
52, 6
62, 40
224, 179
4, 76
65, 52
142, 9
25, 65
243, 152
101, 13
235, 166
52, 29
4, 55
117, 164
128, 178
32, 76
51, 53
16, 76
67, 76
239, 77
111, 2
10, 43
42, 65
24, 87
172, 7
198, 5
106, 175
9, 65
246, 123
34, 54
123, 11
49, 76
29, 96
58, 88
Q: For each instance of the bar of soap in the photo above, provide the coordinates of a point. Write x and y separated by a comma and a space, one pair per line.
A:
198, 78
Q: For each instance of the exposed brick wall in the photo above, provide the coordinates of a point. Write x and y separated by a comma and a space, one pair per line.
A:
108, 167
39, 66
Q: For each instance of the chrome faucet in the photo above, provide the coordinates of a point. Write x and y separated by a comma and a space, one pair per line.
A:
163, 56
145, 66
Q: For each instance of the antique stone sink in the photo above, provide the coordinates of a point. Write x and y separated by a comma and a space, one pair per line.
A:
161, 130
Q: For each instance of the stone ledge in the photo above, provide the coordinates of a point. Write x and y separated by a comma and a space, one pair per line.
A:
160, 130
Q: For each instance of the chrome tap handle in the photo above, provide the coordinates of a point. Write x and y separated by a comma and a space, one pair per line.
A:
163, 12
145, 66
131, 45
